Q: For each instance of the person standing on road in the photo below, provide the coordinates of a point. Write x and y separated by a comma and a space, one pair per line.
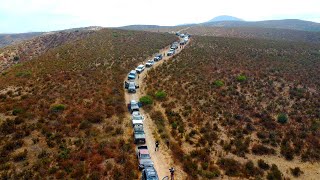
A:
168, 143
172, 173
157, 146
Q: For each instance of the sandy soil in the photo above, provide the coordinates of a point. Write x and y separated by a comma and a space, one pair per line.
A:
162, 159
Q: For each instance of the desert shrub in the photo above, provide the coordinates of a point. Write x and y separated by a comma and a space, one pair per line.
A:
20, 156
263, 165
287, 151
230, 166
218, 83
146, 100
241, 78
160, 95
12, 145
296, 172
94, 117
17, 111
262, 150
57, 107
85, 124
282, 118
274, 173
23, 74
7, 127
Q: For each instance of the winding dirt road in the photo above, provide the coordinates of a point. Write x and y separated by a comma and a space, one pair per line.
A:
162, 159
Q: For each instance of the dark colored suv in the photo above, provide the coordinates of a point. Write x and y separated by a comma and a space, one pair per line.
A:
149, 173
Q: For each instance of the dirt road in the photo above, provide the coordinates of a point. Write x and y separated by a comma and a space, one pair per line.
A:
162, 159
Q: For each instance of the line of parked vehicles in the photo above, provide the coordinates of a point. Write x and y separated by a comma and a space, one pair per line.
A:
184, 38
145, 163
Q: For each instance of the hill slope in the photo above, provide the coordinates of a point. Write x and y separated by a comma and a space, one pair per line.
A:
8, 39
229, 102
256, 33
62, 115
26, 50
293, 24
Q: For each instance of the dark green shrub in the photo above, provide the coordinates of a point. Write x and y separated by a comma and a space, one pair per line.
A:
23, 74
296, 172
262, 150
58, 107
146, 100
160, 95
274, 173
17, 111
230, 166
282, 118
241, 78
263, 165
218, 83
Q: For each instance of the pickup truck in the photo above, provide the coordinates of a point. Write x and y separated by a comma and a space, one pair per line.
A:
137, 118
144, 157
138, 134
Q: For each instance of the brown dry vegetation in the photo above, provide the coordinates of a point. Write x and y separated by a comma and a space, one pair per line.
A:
63, 113
228, 98
29, 49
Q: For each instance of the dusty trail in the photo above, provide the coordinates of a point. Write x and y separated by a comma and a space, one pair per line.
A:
162, 159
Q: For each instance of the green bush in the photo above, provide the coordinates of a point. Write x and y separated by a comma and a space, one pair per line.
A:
282, 118
160, 95
58, 107
146, 100
218, 83
16, 111
23, 74
241, 78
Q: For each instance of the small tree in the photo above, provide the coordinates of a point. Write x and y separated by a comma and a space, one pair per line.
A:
146, 100
218, 83
58, 107
16, 58
160, 95
282, 118
296, 172
241, 78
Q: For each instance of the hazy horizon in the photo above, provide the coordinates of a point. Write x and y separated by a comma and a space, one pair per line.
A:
42, 16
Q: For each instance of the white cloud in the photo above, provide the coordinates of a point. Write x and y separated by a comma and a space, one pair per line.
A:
164, 12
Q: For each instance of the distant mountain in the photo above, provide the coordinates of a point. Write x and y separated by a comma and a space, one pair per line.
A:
293, 24
7, 39
141, 27
224, 18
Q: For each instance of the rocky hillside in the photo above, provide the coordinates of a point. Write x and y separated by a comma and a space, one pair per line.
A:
62, 114
241, 108
29, 49
8, 39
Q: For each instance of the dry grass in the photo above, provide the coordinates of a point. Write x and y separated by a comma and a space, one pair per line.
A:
67, 109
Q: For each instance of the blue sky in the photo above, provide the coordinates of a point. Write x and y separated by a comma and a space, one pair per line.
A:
18, 16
